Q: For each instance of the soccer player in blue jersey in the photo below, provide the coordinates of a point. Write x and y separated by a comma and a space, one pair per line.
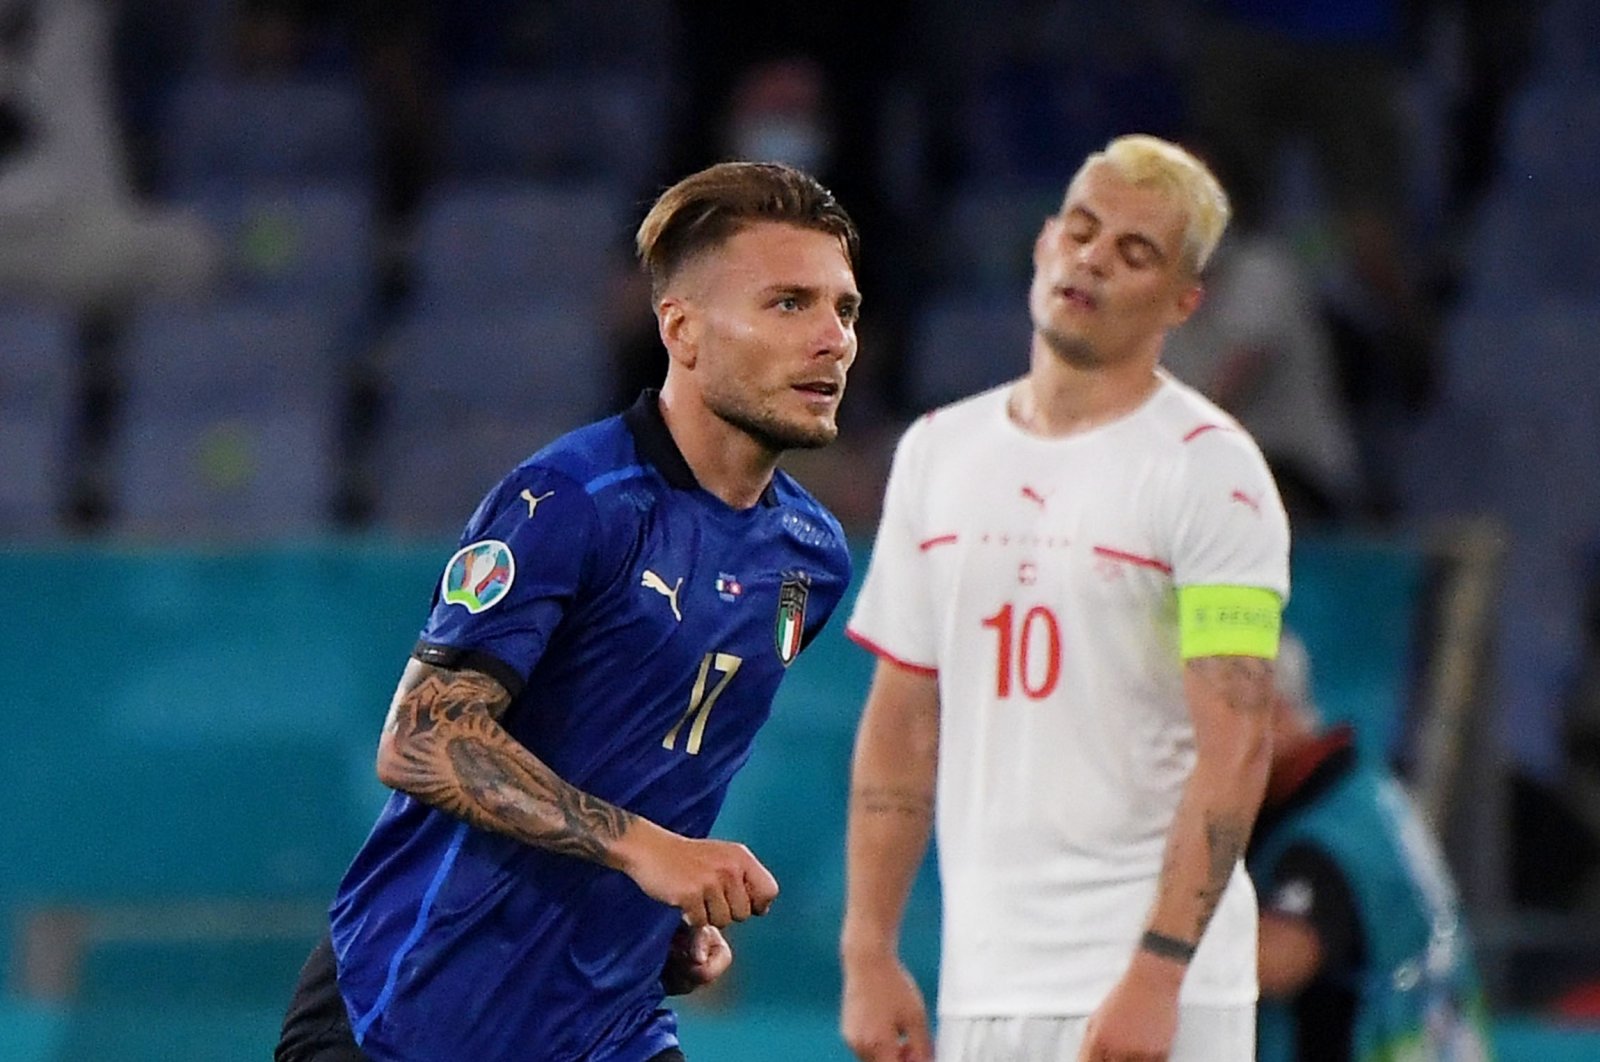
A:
601, 651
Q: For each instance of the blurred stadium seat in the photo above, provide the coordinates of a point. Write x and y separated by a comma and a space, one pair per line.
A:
987, 237
1526, 246
229, 422
310, 244
268, 130
1568, 41
507, 244
1550, 124
1525, 375
38, 416
1440, 471
570, 128
962, 345
473, 393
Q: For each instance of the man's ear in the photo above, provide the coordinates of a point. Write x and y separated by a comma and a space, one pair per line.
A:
1189, 301
679, 329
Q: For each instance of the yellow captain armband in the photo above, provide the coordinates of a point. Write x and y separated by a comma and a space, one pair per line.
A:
1228, 621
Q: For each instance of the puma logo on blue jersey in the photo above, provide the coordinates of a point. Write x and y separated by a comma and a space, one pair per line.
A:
659, 585
533, 503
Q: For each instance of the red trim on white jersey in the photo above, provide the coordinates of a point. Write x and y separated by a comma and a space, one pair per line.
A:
1241, 496
1201, 430
1133, 558
938, 540
883, 654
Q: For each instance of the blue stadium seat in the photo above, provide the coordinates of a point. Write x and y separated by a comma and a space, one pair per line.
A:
1033, 118
38, 411
960, 346
229, 423
1440, 468
286, 131
1524, 251
472, 393
989, 233
1567, 47
585, 127
1524, 376
501, 244
565, 36
310, 244
1551, 125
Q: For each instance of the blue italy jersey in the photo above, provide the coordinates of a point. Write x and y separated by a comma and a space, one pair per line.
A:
642, 627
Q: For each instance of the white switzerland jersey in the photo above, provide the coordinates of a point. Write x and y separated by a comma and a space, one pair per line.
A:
1037, 578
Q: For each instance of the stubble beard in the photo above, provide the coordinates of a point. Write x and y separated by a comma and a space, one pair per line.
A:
769, 430
1074, 350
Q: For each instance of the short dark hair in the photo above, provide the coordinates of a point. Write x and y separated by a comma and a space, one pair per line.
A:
706, 208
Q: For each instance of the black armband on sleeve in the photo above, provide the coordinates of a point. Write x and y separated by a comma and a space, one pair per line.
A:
452, 658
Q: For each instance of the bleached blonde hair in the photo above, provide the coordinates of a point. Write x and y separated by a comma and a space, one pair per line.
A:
1151, 162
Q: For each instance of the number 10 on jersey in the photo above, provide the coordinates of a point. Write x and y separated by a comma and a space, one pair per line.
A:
1015, 659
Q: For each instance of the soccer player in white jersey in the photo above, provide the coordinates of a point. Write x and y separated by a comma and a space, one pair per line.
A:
1075, 597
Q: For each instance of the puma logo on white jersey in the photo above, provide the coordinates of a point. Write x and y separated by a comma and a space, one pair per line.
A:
659, 585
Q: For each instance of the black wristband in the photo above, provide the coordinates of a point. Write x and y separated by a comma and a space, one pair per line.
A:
1166, 947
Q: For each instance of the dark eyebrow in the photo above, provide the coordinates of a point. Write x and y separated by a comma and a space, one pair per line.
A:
775, 290
807, 291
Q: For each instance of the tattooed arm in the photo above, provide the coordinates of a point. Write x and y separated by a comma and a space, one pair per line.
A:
891, 816
443, 744
1230, 699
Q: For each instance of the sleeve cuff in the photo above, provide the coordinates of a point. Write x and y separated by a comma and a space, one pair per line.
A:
453, 658
883, 654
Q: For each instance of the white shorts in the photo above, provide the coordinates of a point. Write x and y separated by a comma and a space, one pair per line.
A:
1205, 1034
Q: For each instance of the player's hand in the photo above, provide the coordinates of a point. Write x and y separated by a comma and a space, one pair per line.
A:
698, 956
712, 882
1138, 1019
883, 1018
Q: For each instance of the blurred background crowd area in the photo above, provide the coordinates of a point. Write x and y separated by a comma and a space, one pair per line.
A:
311, 270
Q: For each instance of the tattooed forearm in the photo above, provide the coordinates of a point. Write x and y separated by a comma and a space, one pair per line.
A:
443, 744
1242, 682
1225, 841
1230, 702
429, 696
891, 800
495, 791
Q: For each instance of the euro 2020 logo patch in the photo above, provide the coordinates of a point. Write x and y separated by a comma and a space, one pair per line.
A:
479, 575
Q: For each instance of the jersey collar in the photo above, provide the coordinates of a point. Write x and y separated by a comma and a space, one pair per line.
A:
657, 446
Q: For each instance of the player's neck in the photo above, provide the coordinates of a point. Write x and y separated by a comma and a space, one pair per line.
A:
1057, 399
725, 461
